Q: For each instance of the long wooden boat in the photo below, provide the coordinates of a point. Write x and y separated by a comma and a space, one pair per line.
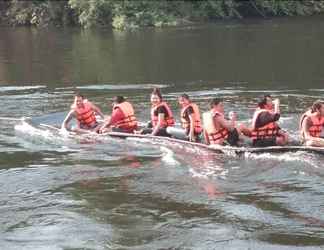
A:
213, 148
219, 148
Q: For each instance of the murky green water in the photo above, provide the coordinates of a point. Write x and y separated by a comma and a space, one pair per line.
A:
61, 192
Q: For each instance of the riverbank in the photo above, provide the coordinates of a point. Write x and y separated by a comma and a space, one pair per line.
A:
133, 14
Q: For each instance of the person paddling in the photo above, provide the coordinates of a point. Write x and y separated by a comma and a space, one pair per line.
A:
217, 129
161, 116
265, 131
85, 113
122, 118
311, 125
190, 121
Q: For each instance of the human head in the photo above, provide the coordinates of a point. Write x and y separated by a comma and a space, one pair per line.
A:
78, 99
217, 103
118, 99
156, 96
265, 102
318, 107
184, 100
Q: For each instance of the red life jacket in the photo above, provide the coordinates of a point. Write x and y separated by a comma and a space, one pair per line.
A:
129, 121
269, 130
85, 115
168, 118
317, 124
214, 135
196, 117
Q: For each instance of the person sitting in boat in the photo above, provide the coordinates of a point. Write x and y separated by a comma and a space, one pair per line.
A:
265, 131
190, 121
161, 116
217, 129
122, 118
85, 113
311, 125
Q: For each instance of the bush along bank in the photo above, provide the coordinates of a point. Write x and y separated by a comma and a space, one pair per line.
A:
124, 14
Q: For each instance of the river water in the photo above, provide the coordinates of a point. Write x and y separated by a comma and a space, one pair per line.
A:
91, 192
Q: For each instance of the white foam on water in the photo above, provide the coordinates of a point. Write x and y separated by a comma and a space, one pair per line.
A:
168, 157
42, 137
122, 86
17, 88
207, 172
283, 157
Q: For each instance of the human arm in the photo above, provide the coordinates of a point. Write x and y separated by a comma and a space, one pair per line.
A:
276, 103
192, 128
265, 118
189, 115
97, 110
67, 119
159, 123
228, 124
309, 139
116, 116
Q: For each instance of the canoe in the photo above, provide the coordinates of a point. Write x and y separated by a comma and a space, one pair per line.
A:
219, 148
213, 148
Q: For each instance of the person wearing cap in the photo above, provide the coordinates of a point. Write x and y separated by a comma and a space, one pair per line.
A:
218, 130
311, 125
265, 131
85, 113
122, 118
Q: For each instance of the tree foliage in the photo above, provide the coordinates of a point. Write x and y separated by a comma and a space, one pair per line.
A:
123, 14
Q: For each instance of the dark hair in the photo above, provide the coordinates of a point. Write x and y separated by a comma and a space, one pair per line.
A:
118, 99
78, 94
157, 92
215, 102
316, 106
263, 101
185, 96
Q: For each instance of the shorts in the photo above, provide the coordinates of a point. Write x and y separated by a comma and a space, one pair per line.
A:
83, 126
267, 142
161, 132
123, 130
233, 138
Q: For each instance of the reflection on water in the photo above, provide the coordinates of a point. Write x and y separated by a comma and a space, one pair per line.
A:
95, 192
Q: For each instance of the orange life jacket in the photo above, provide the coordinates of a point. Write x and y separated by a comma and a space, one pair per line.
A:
85, 115
269, 130
196, 117
129, 121
317, 124
168, 119
214, 135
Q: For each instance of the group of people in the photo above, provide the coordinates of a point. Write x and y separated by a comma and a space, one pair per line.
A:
213, 128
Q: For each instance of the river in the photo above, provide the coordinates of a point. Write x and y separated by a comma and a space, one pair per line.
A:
91, 192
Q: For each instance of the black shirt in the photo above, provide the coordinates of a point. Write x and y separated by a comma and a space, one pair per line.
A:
161, 110
265, 118
187, 113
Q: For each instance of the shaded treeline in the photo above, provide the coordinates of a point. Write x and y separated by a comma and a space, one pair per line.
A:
122, 14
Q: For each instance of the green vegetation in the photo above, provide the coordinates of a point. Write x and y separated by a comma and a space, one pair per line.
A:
123, 14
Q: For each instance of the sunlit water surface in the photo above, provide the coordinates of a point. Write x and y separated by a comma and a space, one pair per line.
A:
59, 191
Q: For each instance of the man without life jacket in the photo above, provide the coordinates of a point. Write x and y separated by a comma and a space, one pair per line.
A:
218, 130
190, 121
311, 125
85, 113
161, 116
265, 131
122, 118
